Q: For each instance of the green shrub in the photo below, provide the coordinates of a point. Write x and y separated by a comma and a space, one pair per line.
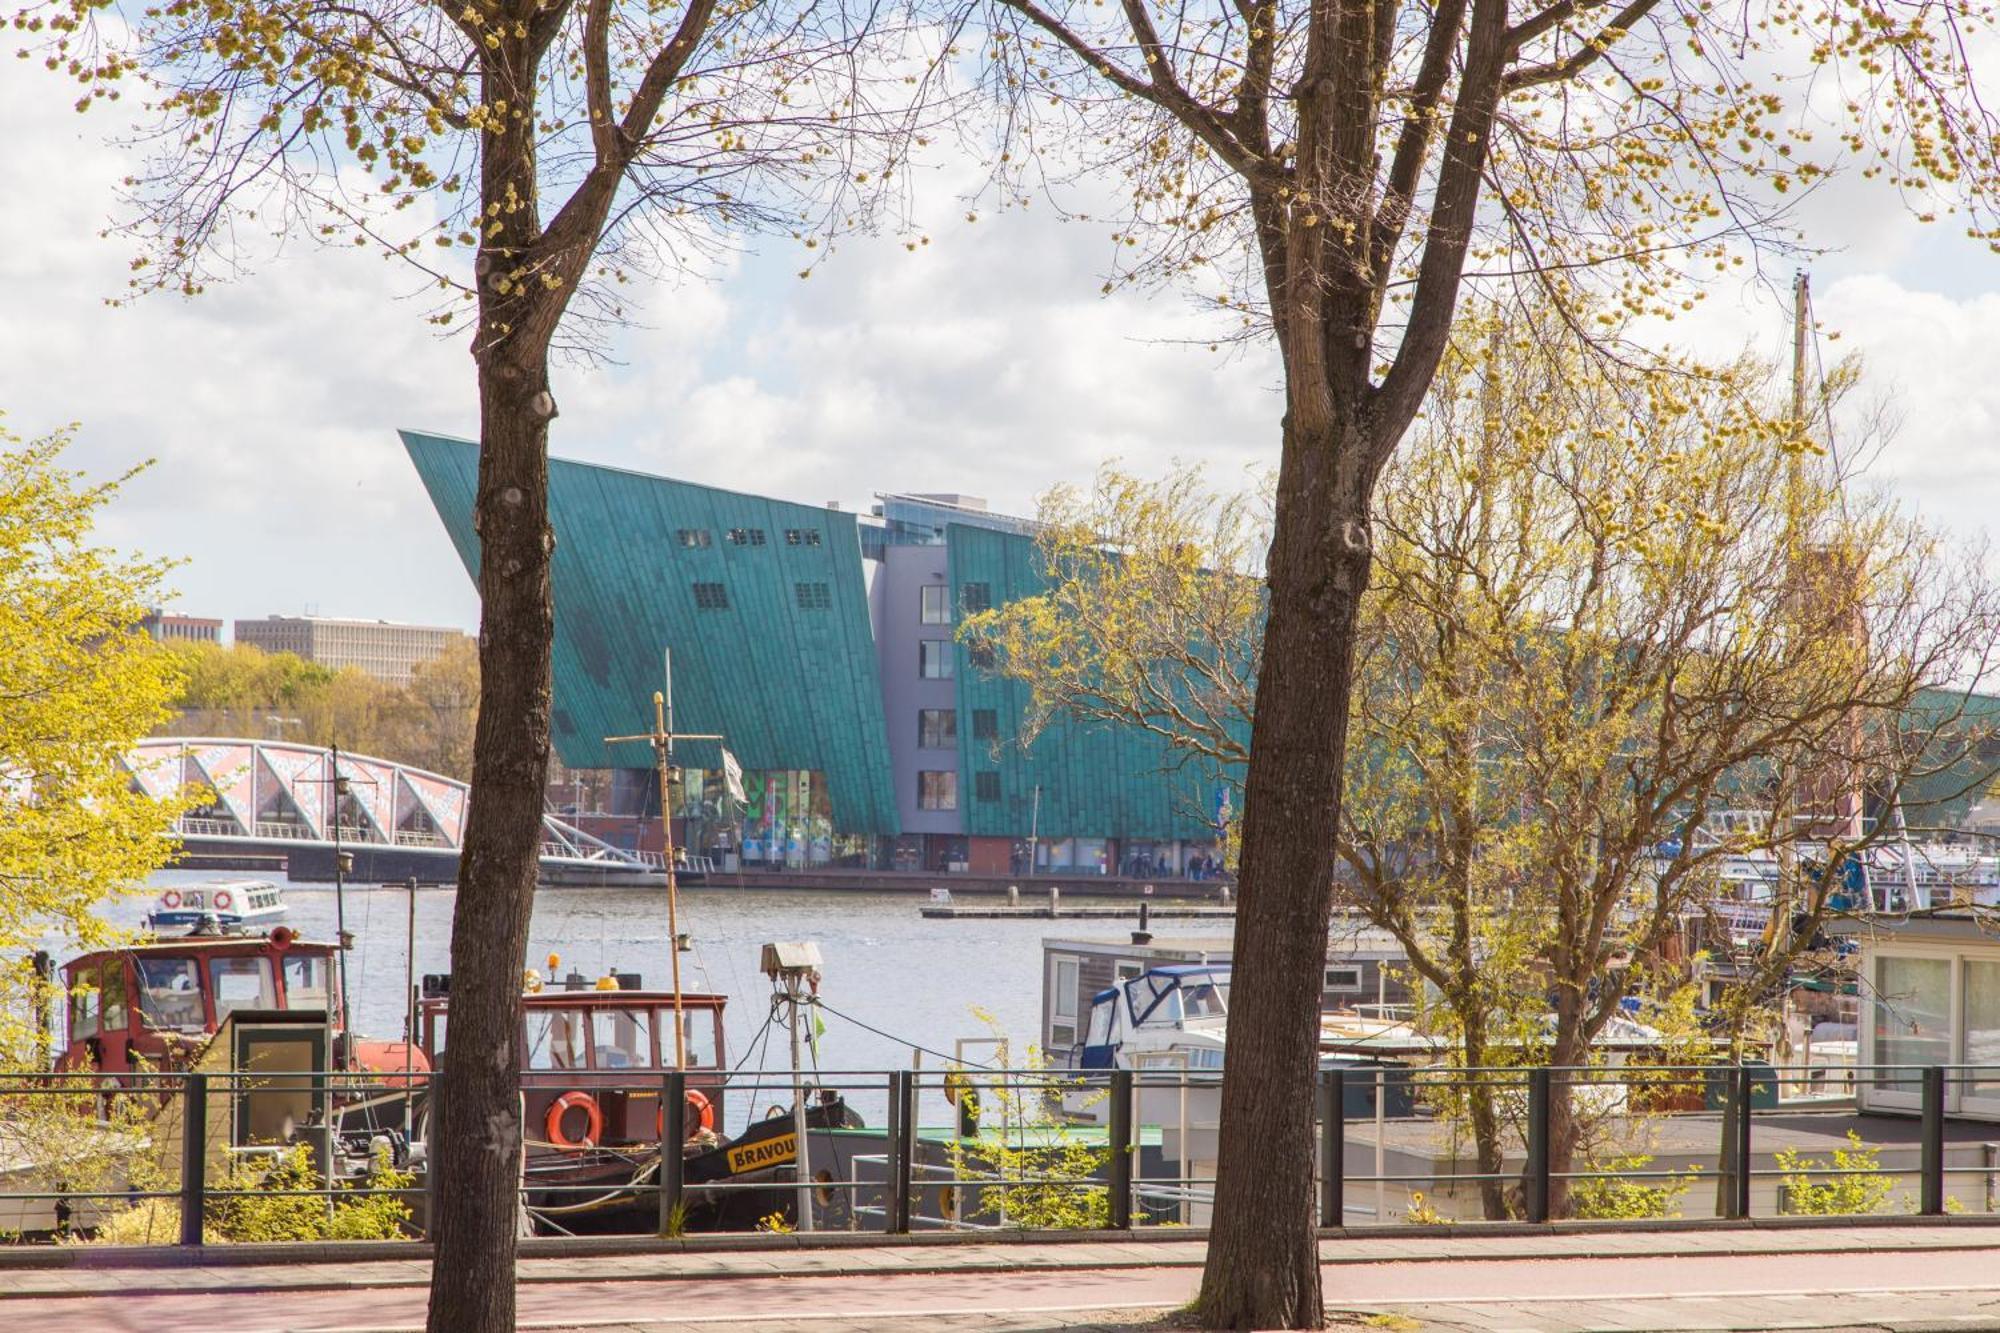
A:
1861, 1186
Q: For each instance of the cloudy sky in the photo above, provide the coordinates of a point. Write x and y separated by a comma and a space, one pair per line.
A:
985, 363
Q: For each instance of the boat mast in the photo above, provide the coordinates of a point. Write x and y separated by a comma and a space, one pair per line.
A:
662, 739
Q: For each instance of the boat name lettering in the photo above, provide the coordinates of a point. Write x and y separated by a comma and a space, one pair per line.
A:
769, 1152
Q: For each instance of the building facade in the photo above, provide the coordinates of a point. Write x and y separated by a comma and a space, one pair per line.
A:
171, 627
822, 645
382, 648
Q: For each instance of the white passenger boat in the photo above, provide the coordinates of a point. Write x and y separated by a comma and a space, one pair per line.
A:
233, 904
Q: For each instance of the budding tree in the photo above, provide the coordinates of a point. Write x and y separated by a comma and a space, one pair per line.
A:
1336, 169
527, 157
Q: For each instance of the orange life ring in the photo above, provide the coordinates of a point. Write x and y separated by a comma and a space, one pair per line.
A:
222, 900
170, 899
594, 1120
701, 1116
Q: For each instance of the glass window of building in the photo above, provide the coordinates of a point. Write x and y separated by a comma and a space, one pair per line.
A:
985, 724
937, 789
711, 597
937, 606
1982, 1029
937, 728
812, 596
1912, 1016
695, 537
746, 536
986, 786
802, 536
976, 597
934, 659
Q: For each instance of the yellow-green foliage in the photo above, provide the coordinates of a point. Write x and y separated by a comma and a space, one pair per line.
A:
1032, 1172
81, 682
1860, 1187
1616, 1197
248, 1207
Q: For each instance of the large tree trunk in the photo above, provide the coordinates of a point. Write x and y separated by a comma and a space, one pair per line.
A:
1263, 1255
477, 1130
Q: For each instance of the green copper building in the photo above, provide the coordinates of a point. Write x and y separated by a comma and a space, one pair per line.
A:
821, 644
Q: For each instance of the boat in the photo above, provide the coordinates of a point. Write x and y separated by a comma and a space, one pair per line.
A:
155, 1005
225, 904
594, 1056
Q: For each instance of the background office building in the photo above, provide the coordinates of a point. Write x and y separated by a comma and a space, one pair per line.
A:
382, 648
822, 644
172, 627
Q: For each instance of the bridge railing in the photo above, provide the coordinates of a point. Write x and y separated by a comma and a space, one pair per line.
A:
166, 1158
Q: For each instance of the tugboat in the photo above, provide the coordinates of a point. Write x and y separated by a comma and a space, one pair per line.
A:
232, 904
594, 1056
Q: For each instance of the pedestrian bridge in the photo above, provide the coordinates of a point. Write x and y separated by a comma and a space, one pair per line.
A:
280, 796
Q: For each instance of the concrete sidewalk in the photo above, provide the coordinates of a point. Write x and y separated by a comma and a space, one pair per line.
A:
1897, 1277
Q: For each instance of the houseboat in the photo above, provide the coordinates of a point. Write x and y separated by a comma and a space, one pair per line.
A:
225, 904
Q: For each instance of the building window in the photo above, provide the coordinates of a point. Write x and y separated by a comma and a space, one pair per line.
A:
1343, 981
934, 659
937, 728
937, 606
986, 786
985, 724
694, 537
979, 651
711, 597
746, 536
937, 789
812, 596
802, 536
975, 597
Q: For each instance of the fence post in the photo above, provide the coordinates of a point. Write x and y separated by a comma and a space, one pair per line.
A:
1739, 1142
903, 1161
194, 1156
1535, 1189
1931, 1191
673, 1133
1333, 1148
1120, 1143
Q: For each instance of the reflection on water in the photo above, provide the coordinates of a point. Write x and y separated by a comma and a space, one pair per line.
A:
886, 967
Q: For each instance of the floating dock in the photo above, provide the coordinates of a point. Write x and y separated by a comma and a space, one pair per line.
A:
1101, 911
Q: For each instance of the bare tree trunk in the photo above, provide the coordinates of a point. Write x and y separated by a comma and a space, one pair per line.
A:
478, 1132
1263, 1259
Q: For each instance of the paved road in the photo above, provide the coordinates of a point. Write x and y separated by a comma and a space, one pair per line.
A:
1943, 1288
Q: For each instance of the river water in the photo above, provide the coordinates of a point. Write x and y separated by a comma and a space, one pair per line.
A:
922, 982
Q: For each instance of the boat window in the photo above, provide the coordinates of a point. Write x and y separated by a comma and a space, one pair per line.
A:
555, 1039
434, 1030
618, 1039
111, 996
1063, 1002
1204, 999
241, 983
307, 982
700, 1027
1101, 1015
83, 1007
170, 994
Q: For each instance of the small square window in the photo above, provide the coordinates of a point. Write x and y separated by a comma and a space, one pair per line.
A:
976, 597
711, 597
937, 789
812, 596
694, 537
802, 536
937, 728
936, 604
985, 724
1343, 980
986, 786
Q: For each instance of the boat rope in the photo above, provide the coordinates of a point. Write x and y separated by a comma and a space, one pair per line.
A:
954, 1059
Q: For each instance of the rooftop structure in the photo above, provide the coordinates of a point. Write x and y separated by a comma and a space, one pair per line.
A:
172, 627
